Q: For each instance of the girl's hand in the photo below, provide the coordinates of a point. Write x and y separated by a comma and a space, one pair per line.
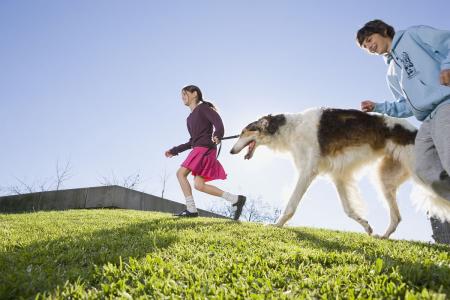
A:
216, 140
367, 105
168, 154
445, 77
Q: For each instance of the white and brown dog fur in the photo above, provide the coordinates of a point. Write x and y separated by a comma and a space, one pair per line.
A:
339, 142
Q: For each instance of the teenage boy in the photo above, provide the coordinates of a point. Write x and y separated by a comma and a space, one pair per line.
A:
418, 60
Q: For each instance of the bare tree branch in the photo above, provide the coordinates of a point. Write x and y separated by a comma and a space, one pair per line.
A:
255, 210
164, 179
62, 174
14, 190
131, 182
44, 185
22, 188
223, 209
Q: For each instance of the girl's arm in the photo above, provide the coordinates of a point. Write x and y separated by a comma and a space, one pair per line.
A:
216, 120
183, 147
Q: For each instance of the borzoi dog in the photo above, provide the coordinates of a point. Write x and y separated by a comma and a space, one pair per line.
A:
338, 142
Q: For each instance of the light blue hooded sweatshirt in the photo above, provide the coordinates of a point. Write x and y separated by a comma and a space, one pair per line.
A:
418, 56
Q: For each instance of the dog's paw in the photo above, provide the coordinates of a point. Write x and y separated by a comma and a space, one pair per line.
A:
278, 225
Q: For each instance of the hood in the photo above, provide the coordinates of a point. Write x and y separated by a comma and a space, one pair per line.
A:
397, 37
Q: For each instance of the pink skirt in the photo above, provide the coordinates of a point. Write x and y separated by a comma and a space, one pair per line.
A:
205, 164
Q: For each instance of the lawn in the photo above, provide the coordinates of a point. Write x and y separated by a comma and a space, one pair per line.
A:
110, 253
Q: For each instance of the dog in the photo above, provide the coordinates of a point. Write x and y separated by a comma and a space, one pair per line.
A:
339, 142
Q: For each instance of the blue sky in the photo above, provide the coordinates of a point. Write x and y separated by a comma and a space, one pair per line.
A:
97, 83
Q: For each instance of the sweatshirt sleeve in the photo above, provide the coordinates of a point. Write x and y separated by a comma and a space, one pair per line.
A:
398, 109
437, 40
216, 120
183, 147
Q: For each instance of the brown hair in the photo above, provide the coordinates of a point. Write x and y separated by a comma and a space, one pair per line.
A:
194, 88
374, 26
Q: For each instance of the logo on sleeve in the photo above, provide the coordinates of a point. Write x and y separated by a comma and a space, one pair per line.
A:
408, 65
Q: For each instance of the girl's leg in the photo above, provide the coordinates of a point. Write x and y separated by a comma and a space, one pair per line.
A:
200, 185
182, 174
236, 200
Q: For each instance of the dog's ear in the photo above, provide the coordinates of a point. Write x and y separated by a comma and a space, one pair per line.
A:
254, 126
274, 123
264, 122
270, 123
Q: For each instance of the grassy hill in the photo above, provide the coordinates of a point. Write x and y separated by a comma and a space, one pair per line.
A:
131, 254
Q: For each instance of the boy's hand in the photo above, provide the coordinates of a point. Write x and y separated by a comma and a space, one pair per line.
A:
216, 140
367, 105
168, 154
445, 77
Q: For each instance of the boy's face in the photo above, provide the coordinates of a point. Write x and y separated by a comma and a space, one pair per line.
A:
377, 44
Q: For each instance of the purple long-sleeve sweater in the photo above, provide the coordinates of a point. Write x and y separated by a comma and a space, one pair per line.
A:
200, 124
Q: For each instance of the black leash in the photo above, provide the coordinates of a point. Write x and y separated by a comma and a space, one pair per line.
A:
226, 138
220, 145
229, 137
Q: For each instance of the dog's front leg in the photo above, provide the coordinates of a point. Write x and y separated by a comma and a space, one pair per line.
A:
303, 183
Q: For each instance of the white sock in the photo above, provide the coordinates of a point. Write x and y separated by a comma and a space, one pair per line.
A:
230, 197
190, 204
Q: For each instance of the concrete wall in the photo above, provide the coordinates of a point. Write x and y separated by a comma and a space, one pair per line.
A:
94, 197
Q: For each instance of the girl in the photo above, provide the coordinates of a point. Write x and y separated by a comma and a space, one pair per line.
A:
202, 161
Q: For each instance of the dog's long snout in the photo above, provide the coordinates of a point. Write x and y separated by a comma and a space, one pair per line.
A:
237, 147
233, 150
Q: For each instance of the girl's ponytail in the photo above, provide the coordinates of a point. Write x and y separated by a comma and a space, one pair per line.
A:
209, 104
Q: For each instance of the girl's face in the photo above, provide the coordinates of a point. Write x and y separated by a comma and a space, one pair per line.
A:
377, 44
188, 97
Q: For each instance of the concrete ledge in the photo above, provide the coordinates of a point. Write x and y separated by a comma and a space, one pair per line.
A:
92, 197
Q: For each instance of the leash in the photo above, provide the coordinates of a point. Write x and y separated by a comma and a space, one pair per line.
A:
220, 145
229, 137
226, 138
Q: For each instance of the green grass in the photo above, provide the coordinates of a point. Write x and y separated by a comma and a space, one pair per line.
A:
132, 254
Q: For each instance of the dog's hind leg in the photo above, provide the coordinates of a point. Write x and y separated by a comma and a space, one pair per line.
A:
351, 200
391, 175
303, 182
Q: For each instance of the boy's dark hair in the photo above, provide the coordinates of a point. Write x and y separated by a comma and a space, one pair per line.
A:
194, 88
375, 26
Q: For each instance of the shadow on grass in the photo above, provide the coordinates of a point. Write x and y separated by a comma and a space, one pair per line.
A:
41, 266
417, 272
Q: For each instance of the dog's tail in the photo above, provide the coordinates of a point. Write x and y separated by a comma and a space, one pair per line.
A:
422, 196
426, 200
